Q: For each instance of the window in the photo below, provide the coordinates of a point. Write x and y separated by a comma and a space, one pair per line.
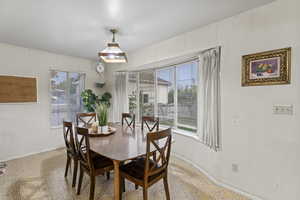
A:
169, 93
133, 92
147, 89
186, 82
165, 96
65, 91
146, 98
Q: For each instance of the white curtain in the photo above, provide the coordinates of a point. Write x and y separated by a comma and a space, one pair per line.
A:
120, 95
209, 91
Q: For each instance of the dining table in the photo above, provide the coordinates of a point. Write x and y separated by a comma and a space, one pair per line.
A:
125, 144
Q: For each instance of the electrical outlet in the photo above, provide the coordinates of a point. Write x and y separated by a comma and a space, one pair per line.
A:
283, 109
235, 168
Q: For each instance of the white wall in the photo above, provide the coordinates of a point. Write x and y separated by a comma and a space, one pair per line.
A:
25, 127
266, 147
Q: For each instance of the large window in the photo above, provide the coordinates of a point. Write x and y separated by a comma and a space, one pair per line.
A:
147, 93
169, 93
65, 91
165, 96
186, 82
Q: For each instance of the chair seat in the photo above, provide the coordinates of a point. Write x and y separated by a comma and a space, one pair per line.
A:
101, 163
136, 169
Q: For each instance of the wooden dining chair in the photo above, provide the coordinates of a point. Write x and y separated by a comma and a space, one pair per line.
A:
148, 171
90, 163
70, 149
86, 119
151, 123
129, 119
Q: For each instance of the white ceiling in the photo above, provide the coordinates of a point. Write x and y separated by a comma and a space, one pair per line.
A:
79, 27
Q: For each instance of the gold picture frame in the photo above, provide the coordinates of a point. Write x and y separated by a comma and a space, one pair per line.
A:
267, 68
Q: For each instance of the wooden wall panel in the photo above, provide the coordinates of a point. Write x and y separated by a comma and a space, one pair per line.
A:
15, 89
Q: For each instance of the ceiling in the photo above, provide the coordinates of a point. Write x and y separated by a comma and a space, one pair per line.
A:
80, 27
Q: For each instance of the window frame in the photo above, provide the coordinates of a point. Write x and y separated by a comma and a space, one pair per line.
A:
175, 129
50, 90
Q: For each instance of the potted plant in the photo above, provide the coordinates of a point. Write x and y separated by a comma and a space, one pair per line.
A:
102, 114
105, 98
89, 100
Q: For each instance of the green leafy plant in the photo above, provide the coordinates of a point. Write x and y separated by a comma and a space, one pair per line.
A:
89, 100
105, 98
102, 113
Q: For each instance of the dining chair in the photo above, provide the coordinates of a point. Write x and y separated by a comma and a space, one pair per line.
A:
151, 123
70, 149
146, 172
90, 163
130, 117
86, 119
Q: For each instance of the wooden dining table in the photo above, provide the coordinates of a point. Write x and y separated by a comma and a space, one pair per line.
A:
125, 144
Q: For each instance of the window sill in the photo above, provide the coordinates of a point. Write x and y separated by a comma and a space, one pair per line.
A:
194, 136
56, 127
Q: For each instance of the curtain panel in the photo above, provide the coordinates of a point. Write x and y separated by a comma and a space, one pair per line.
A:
209, 98
120, 95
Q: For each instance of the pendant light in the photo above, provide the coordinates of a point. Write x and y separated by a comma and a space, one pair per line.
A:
112, 53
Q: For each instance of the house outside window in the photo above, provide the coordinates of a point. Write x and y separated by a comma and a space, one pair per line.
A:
169, 93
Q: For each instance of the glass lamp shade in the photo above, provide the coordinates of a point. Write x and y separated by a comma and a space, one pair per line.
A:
113, 54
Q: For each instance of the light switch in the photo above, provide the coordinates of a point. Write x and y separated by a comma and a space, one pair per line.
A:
283, 110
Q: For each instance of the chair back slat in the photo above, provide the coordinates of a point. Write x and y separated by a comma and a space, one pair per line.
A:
129, 119
87, 119
83, 147
147, 120
69, 137
160, 143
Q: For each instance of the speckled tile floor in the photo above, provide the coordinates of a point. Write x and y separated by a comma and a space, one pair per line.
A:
41, 176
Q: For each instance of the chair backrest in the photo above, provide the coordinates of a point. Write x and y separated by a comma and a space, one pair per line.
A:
130, 117
161, 141
69, 137
83, 147
86, 119
148, 120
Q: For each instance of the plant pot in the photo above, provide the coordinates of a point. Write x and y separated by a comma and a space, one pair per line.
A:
104, 129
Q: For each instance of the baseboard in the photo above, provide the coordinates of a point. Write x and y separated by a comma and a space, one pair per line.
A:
32, 153
218, 182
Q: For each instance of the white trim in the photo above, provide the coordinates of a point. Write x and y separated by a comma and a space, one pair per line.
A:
194, 136
216, 181
32, 153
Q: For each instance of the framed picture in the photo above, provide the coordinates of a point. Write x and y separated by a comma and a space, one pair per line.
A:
267, 68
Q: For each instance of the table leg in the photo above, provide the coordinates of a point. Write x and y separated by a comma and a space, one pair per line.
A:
116, 180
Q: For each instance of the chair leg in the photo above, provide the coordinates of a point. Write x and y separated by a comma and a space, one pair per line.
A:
80, 181
166, 188
145, 193
123, 184
75, 172
92, 187
107, 175
67, 165
122, 187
